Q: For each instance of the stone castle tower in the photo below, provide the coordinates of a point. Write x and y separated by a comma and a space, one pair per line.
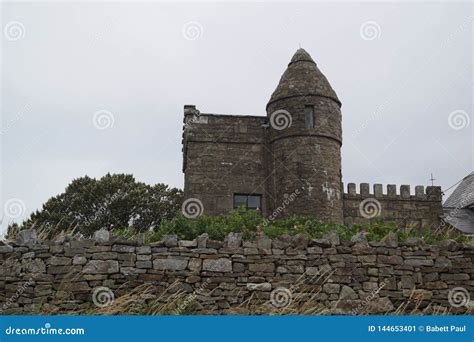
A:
288, 162
307, 153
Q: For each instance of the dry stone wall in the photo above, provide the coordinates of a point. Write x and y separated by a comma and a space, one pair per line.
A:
223, 277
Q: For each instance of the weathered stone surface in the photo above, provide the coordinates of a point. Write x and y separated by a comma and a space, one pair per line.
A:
282, 242
264, 245
300, 241
333, 237
102, 235
340, 277
450, 245
6, 249
233, 240
195, 264
238, 267
390, 259
143, 264
262, 267
217, 265
324, 243
79, 260
143, 250
259, 287
57, 260
419, 262
170, 241
101, 267
331, 288
123, 249
202, 240
26, 237
359, 238
173, 264
390, 240
347, 293
188, 244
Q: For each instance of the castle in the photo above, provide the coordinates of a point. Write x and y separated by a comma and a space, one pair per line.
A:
289, 162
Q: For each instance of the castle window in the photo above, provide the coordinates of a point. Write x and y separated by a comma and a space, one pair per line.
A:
309, 116
248, 201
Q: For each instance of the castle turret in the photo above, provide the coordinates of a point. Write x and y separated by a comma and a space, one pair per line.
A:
305, 139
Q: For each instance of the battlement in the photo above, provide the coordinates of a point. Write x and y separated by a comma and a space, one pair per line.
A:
416, 210
430, 193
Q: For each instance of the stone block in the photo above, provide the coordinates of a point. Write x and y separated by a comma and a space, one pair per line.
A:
262, 267
101, 267
217, 265
259, 287
123, 249
172, 264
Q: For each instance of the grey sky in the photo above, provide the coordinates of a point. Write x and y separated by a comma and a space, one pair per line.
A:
141, 63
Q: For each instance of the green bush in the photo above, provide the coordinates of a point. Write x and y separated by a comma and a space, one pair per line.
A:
250, 223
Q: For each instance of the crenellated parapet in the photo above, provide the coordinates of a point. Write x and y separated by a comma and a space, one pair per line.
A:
430, 193
419, 209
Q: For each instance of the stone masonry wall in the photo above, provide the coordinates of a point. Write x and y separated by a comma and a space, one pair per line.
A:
222, 155
422, 209
343, 277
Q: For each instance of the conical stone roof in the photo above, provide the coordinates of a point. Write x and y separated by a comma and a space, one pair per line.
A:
303, 78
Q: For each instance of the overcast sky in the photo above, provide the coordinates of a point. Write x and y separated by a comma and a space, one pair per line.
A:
99, 87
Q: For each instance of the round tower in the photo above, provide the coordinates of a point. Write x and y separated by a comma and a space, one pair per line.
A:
305, 139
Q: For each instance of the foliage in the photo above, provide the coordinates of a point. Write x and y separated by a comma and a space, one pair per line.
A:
115, 200
251, 224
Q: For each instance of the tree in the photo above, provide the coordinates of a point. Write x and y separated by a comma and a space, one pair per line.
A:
114, 201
